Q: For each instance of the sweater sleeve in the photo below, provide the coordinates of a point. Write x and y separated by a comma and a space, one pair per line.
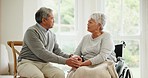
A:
106, 48
32, 40
79, 47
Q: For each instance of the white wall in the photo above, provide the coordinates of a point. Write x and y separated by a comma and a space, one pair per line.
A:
15, 16
0, 22
144, 38
12, 20
29, 9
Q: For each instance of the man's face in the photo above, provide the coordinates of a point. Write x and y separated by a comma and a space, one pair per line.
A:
50, 21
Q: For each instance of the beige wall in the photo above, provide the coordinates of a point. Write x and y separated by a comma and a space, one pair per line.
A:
11, 20
0, 21
15, 17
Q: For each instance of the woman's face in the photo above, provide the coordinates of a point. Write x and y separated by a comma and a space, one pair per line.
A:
92, 26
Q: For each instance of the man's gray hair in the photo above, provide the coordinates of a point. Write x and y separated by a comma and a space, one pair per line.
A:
99, 18
43, 12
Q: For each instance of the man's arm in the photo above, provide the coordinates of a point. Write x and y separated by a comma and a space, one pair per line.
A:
32, 40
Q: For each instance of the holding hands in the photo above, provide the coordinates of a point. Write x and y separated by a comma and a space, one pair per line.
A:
75, 62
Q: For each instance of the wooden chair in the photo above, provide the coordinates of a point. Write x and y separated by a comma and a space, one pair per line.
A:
13, 44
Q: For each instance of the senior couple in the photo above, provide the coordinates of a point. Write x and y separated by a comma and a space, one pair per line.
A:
40, 49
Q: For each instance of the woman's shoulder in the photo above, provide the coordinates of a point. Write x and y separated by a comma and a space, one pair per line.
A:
106, 34
86, 36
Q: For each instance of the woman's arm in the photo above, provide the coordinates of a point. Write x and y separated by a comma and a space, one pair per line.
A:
106, 48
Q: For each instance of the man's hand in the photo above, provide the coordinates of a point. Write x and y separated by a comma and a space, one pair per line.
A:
74, 61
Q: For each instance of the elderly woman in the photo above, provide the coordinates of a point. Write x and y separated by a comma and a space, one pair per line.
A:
97, 50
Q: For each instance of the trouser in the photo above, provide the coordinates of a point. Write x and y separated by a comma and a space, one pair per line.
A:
34, 69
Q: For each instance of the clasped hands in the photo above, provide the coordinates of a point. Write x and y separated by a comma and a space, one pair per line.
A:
74, 61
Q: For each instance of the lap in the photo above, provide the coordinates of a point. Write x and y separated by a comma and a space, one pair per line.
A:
27, 68
96, 71
52, 71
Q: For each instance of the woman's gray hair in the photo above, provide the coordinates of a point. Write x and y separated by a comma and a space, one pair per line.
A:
43, 12
99, 18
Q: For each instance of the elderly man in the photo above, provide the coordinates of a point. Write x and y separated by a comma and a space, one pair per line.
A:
40, 49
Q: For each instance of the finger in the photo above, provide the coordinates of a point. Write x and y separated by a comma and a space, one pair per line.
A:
76, 64
79, 58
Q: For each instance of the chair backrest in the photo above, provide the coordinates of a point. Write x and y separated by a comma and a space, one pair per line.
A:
12, 44
119, 49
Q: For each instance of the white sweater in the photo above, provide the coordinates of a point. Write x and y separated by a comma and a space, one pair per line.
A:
96, 50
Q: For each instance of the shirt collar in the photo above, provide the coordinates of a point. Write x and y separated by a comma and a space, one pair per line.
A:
42, 28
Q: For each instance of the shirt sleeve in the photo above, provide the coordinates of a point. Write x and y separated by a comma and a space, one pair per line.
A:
32, 40
106, 48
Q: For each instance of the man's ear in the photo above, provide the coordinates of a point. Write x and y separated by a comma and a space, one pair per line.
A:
43, 20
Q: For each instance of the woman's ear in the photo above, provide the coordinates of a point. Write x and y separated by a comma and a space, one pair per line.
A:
99, 26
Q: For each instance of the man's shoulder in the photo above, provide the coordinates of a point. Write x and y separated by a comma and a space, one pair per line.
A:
32, 27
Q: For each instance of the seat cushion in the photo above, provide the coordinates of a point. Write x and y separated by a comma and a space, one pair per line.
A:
4, 60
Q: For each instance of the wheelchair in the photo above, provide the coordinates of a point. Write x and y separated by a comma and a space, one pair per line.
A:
121, 67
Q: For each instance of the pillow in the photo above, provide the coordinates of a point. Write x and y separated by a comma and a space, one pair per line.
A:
4, 60
11, 68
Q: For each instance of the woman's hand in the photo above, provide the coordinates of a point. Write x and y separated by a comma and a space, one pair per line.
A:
78, 61
73, 62
77, 57
86, 63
